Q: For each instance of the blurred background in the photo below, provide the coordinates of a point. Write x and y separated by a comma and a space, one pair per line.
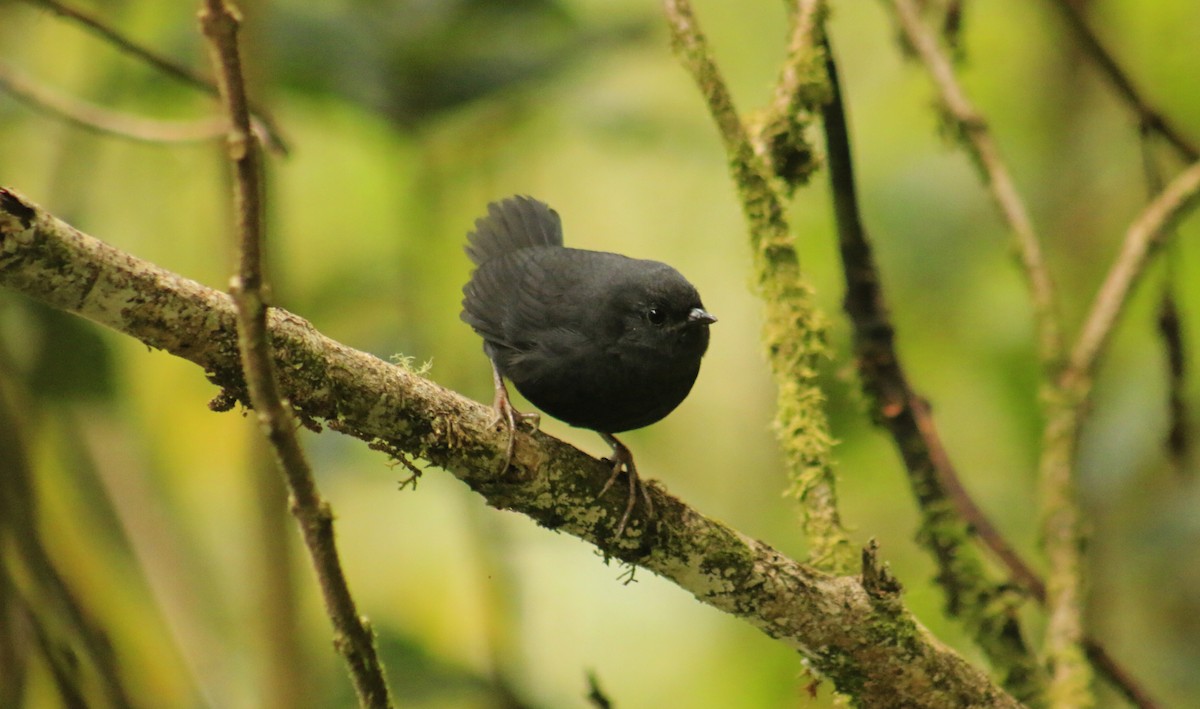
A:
141, 531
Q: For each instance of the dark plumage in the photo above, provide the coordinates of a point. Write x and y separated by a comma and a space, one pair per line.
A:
595, 339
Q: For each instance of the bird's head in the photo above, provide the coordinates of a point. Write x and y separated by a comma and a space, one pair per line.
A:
661, 313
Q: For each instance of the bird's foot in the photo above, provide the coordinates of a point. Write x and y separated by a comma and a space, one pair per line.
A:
508, 416
622, 460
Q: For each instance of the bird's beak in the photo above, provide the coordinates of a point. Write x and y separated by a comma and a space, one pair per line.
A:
701, 317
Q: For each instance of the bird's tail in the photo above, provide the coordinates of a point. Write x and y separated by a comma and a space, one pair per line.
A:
512, 224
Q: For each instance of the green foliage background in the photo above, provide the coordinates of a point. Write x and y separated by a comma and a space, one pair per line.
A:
405, 119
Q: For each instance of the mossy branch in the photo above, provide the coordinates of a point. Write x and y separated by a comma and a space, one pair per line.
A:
857, 634
793, 329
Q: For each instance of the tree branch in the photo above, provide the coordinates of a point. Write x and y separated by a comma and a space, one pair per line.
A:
354, 638
1150, 117
948, 513
1144, 236
264, 127
793, 328
862, 639
977, 139
1062, 534
781, 137
1065, 410
102, 120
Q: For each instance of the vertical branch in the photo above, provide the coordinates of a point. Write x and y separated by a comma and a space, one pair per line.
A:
1170, 328
794, 331
1066, 409
986, 608
1070, 676
780, 137
1178, 441
1068, 375
354, 638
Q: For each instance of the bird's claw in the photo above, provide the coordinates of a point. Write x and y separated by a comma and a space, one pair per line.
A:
509, 417
623, 460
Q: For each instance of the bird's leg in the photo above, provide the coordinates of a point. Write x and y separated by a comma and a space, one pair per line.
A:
506, 414
623, 459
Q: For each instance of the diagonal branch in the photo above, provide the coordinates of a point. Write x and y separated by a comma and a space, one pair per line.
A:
264, 127
858, 635
103, 120
1149, 116
949, 515
1144, 236
977, 139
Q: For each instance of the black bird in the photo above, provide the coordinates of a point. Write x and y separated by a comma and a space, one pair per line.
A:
595, 339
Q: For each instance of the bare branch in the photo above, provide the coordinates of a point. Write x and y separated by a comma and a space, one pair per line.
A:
1150, 117
102, 120
978, 140
1143, 237
354, 637
264, 127
832, 621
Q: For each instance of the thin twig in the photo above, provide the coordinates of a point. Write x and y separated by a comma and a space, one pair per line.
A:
355, 640
1150, 117
1142, 238
103, 120
262, 123
1178, 441
970, 595
793, 328
978, 140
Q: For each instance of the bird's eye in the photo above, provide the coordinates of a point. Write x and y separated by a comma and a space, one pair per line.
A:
656, 316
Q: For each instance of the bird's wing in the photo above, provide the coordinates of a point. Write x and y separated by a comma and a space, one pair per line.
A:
514, 299
511, 225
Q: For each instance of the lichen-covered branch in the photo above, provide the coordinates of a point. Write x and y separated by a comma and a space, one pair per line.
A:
794, 330
860, 637
780, 136
1065, 412
1070, 675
